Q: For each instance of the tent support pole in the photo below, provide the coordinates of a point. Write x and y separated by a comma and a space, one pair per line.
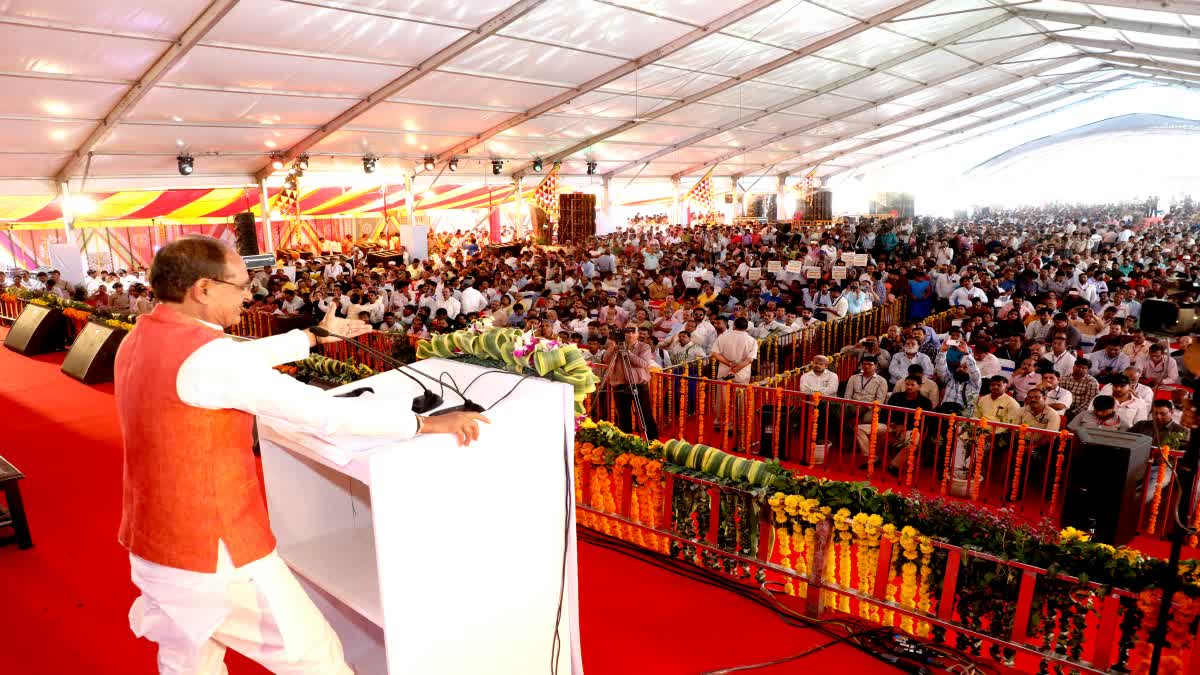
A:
675, 215
519, 231
68, 213
268, 228
606, 202
780, 195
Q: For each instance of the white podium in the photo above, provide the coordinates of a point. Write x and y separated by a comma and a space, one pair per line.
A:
428, 558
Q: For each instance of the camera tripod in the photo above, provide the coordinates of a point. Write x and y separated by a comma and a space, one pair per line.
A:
622, 361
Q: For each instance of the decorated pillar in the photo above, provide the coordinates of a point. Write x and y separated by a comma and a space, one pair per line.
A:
268, 229
676, 216
738, 210
606, 202
519, 230
781, 206
68, 212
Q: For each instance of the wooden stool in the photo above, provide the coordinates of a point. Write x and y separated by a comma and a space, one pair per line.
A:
14, 517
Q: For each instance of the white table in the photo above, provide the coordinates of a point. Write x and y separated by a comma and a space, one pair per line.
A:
428, 558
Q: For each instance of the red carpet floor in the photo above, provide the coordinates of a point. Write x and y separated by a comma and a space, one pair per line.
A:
65, 601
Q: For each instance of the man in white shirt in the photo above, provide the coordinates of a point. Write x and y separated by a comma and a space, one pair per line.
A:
1131, 409
966, 294
195, 599
734, 350
819, 378
838, 306
447, 302
1062, 359
290, 304
1141, 391
472, 300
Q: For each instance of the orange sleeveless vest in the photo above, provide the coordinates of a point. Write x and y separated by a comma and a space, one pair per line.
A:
190, 477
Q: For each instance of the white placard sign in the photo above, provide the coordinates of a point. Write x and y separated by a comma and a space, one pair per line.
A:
839, 272
848, 257
795, 267
774, 267
754, 273
812, 272
860, 259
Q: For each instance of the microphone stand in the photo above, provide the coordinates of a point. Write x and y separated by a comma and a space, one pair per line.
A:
422, 404
1185, 473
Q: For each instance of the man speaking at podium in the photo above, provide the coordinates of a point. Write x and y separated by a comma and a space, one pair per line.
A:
194, 518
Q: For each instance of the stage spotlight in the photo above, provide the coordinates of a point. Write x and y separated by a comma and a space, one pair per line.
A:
453, 165
537, 165
591, 168
277, 163
370, 163
429, 163
302, 162
497, 166
185, 164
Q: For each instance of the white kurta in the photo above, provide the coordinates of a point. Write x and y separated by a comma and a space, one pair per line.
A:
259, 608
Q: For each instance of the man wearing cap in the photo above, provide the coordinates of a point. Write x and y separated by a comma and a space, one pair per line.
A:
1130, 408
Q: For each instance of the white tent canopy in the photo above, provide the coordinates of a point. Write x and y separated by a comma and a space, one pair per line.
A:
645, 90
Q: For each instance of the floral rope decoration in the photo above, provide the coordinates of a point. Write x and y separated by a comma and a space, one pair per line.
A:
812, 434
874, 441
980, 453
841, 523
908, 574
914, 443
1060, 459
726, 432
700, 404
1156, 504
778, 421
953, 428
1016, 485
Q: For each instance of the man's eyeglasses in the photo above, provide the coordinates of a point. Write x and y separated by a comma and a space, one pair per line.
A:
242, 287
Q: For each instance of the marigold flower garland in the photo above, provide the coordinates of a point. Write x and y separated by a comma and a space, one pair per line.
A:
841, 523
700, 402
1058, 467
1164, 454
812, 434
914, 443
980, 453
778, 420
871, 444
949, 453
727, 435
1016, 485
909, 551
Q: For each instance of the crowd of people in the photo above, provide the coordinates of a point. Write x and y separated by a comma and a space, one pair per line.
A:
1043, 299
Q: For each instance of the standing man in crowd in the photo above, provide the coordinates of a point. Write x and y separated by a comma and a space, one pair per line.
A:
734, 350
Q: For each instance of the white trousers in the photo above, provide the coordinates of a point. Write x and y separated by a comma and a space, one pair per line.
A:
260, 610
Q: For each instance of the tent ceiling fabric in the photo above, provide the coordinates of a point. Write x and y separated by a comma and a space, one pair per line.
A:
643, 88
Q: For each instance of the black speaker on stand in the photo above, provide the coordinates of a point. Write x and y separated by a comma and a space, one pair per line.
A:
39, 330
1105, 484
247, 234
93, 354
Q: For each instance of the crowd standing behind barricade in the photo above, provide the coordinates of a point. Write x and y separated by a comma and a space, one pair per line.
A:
1042, 298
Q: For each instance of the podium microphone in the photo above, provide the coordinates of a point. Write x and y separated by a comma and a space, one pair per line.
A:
423, 403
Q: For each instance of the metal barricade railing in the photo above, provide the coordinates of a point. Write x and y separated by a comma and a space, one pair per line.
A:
11, 307
1013, 613
381, 341
255, 324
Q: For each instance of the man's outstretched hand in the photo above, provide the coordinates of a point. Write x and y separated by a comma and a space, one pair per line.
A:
347, 327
